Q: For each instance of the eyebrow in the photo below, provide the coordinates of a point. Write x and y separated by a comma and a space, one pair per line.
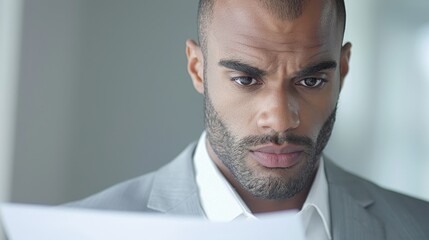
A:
256, 72
243, 67
315, 68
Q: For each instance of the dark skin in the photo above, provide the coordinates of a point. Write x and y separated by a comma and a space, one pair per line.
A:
266, 75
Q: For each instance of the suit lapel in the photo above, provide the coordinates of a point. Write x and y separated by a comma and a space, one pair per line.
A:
174, 190
349, 201
350, 219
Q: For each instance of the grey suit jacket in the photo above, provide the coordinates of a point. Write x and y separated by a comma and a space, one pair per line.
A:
359, 209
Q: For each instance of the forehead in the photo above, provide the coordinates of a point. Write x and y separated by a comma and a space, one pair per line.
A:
244, 24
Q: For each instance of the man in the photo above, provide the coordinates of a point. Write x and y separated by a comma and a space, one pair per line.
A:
271, 72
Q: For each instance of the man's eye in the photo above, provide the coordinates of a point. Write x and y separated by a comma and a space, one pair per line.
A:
312, 82
245, 81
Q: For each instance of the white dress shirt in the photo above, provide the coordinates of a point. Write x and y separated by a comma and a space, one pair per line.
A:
221, 202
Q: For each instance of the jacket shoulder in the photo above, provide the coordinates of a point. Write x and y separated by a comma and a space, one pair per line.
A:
399, 213
131, 195
143, 193
405, 208
356, 185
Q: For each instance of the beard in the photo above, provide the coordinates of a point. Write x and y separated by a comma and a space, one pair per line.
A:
233, 151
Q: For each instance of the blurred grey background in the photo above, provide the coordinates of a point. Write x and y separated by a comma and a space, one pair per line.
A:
99, 93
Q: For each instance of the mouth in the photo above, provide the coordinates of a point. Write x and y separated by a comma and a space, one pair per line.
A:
277, 156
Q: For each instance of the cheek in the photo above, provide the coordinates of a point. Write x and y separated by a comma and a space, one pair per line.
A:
315, 113
312, 120
236, 110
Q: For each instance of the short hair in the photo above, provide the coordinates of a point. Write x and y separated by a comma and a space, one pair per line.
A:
283, 9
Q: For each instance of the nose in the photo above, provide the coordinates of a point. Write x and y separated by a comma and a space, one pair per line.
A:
280, 112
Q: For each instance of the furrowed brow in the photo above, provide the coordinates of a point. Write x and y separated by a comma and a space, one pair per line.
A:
315, 68
242, 67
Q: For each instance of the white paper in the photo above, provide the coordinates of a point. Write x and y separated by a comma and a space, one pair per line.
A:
24, 222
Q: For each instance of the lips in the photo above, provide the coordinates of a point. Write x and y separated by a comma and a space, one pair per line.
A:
277, 156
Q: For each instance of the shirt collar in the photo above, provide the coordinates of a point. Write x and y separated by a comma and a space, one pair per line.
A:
318, 200
221, 202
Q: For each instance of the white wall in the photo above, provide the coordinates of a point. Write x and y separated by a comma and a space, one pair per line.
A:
382, 131
49, 60
104, 94
402, 123
10, 16
10, 13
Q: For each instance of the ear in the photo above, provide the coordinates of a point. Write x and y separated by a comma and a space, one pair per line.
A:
344, 62
195, 65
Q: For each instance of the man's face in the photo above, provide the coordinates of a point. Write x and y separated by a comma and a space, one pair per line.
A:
271, 88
